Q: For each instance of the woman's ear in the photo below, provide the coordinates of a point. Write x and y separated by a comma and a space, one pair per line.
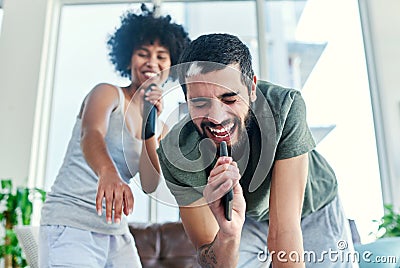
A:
253, 92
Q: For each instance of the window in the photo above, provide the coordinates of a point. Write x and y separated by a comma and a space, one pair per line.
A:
311, 50
1, 16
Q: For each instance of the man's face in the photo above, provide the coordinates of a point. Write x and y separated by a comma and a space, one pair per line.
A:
219, 104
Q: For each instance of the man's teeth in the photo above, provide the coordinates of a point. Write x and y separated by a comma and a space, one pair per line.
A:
221, 132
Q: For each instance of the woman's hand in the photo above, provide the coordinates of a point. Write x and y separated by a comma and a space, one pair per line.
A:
154, 96
118, 197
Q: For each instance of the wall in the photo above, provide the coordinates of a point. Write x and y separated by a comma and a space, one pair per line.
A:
21, 44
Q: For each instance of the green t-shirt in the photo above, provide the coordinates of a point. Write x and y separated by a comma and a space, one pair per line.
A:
278, 130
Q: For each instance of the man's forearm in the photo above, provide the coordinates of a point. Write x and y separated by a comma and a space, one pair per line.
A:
219, 253
288, 243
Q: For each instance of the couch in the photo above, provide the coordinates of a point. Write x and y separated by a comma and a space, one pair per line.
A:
164, 245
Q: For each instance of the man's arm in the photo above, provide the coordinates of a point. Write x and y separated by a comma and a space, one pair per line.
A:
216, 239
286, 201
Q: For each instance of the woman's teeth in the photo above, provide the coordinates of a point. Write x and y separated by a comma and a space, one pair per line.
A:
150, 74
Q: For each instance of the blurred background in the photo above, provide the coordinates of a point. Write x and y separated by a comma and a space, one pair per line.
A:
341, 54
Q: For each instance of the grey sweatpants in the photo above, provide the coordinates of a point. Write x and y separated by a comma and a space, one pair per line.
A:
326, 238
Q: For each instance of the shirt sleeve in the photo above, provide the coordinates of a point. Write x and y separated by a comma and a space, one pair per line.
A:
184, 193
296, 138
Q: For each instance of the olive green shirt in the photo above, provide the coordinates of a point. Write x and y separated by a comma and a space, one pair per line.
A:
278, 130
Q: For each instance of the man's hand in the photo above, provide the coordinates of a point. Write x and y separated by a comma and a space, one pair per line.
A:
118, 196
223, 177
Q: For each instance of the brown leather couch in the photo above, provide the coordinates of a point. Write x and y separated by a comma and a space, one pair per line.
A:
164, 245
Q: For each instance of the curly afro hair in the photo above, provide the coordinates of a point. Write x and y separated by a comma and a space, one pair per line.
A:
142, 29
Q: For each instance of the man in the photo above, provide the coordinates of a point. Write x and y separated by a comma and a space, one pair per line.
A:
285, 205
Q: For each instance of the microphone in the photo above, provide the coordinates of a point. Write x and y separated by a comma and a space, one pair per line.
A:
227, 199
149, 117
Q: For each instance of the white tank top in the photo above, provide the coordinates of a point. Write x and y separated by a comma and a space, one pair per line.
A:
71, 201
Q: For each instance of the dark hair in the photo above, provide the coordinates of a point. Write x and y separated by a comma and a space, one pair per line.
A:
141, 29
223, 49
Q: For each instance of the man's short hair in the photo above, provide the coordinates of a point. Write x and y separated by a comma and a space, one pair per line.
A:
223, 49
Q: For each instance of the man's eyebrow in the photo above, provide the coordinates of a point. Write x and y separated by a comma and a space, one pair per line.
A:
228, 95
223, 96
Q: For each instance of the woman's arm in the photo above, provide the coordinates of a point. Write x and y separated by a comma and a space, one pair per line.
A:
149, 165
98, 106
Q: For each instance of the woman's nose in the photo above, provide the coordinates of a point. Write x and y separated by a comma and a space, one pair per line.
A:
152, 61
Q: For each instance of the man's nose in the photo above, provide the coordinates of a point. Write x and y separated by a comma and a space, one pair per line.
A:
217, 112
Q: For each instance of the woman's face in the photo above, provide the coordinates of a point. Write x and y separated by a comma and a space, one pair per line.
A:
150, 61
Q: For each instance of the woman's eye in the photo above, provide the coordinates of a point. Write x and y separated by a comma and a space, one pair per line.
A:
142, 55
162, 57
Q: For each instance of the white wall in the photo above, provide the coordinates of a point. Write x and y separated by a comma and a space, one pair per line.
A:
382, 43
21, 44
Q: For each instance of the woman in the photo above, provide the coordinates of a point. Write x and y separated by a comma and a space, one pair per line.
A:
82, 227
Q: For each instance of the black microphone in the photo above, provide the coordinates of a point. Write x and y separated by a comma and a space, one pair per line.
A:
227, 199
149, 117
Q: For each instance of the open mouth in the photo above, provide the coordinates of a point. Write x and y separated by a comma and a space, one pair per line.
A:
221, 132
149, 74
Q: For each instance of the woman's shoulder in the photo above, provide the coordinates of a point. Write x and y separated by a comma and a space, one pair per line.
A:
105, 86
103, 94
105, 90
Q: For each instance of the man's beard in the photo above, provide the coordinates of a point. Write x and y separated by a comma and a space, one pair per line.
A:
242, 144
237, 149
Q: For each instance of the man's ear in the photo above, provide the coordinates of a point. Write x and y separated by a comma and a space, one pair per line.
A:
253, 92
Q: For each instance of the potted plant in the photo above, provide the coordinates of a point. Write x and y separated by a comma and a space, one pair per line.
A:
389, 225
385, 251
16, 207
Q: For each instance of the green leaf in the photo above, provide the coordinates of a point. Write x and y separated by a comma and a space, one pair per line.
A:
6, 184
390, 222
25, 205
42, 194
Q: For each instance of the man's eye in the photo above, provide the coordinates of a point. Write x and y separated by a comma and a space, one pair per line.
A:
199, 104
230, 101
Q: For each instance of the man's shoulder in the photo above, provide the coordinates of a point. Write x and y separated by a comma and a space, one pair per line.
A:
279, 99
183, 128
274, 92
181, 142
